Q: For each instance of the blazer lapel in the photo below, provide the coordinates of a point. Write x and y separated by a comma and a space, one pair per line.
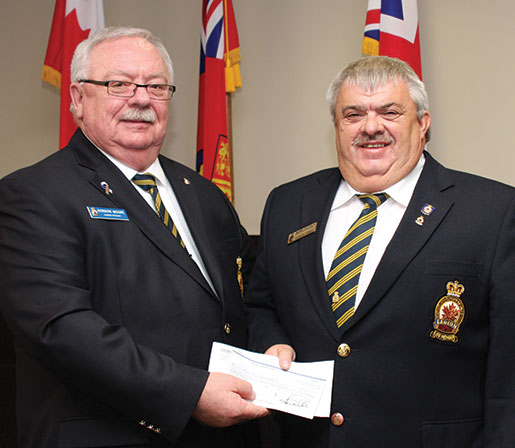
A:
410, 237
122, 194
316, 206
192, 210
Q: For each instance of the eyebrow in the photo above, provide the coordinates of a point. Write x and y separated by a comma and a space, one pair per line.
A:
379, 108
346, 108
131, 75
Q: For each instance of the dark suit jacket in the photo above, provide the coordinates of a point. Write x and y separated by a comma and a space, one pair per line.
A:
399, 386
113, 321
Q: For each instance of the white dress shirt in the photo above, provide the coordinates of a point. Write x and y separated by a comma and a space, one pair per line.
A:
171, 204
345, 210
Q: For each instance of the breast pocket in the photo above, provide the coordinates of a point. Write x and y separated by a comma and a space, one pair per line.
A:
452, 268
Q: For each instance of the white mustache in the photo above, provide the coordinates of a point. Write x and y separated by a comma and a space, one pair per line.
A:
362, 139
139, 115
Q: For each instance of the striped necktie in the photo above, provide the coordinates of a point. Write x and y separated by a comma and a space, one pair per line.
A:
342, 280
147, 182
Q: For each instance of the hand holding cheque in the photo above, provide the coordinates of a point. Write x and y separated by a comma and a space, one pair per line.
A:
303, 390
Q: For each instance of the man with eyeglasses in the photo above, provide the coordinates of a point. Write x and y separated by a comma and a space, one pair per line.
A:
119, 268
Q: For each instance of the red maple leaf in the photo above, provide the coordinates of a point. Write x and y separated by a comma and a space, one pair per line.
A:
450, 312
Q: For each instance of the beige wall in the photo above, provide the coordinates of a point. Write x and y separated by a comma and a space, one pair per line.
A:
291, 49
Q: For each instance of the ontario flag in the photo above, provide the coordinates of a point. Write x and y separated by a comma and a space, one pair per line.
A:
219, 75
391, 29
73, 21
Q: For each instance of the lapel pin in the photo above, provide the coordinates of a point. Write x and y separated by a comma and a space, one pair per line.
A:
106, 188
301, 233
428, 209
420, 220
186, 180
239, 275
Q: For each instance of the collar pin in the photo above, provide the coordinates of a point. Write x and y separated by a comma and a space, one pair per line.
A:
106, 188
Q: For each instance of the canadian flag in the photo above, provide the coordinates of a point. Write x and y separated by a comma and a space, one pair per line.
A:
73, 21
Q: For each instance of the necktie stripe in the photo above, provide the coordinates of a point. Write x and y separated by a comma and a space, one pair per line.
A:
343, 277
347, 261
345, 317
349, 276
354, 241
145, 182
361, 221
158, 202
377, 200
148, 183
350, 293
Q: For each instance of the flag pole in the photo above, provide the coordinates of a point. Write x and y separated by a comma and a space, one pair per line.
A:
229, 140
229, 100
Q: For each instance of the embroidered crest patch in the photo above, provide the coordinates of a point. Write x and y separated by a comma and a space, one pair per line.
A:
449, 314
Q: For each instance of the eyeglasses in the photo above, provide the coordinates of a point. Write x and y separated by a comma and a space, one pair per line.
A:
126, 89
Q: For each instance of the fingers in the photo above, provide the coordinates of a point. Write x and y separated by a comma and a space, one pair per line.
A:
224, 402
251, 411
284, 352
243, 389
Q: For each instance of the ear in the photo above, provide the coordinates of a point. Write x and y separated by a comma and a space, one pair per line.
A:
77, 96
424, 123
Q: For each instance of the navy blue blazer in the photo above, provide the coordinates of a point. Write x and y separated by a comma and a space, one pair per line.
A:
113, 321
408, 380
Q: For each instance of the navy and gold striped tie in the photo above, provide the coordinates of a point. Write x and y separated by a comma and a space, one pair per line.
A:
148, 183
342, 280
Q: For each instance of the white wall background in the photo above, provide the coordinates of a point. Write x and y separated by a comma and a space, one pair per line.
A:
291, 49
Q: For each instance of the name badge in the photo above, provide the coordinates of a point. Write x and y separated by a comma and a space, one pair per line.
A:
117, 214
301, 233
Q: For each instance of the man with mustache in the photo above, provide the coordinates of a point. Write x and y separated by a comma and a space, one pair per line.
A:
399, 270
119, 268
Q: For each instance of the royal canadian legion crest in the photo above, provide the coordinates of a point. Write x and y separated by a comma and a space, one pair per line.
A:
449, 314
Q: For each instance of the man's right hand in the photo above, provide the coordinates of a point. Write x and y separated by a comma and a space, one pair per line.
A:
284, 352
225, 401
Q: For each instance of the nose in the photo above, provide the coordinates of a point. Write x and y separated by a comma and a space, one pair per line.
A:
140, 98
372, 124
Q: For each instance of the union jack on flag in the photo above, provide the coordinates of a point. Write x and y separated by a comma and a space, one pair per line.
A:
391, 29
219, 74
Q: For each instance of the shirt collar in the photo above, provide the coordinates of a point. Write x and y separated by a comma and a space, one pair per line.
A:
400, 192
155, 168
157, 171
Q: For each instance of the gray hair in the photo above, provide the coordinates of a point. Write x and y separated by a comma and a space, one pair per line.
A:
80, 62
371, 72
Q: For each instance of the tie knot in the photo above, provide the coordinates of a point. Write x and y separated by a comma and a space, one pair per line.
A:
145, 181
373, 200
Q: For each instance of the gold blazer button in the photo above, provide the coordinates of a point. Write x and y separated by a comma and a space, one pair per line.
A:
337, 419
343, 350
